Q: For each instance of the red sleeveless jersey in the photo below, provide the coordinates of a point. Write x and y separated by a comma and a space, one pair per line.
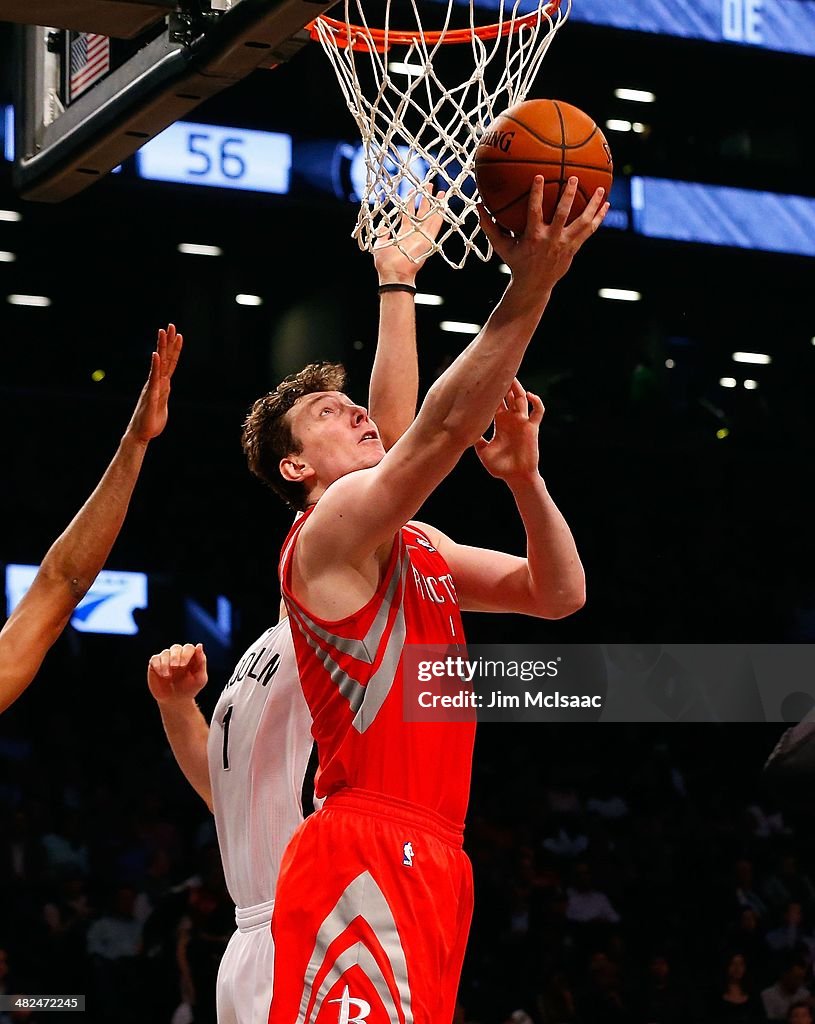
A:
351, 674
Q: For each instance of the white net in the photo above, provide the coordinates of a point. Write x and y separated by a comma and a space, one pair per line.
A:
419, 128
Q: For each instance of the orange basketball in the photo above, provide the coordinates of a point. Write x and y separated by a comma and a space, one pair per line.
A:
547, 137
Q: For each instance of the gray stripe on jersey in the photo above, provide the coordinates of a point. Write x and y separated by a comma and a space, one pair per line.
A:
361, 649
362, 898
351, 689
365, 701
381, 682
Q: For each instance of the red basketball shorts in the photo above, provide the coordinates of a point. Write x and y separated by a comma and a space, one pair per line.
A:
371, 916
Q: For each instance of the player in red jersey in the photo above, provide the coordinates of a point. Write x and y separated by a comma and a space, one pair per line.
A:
249, 763
75, 559
374, 897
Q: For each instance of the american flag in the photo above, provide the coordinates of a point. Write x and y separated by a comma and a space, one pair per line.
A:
90, 60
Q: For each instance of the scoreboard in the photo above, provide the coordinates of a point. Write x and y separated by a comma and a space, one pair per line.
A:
784, 25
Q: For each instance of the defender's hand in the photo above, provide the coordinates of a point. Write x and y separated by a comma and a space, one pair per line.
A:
512, 451
178, 674
150, 416
396, 266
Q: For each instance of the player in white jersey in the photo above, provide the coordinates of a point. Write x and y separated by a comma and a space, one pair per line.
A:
258, 751
249, 764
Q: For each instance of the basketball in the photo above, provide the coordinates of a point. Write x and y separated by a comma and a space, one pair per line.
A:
547, 137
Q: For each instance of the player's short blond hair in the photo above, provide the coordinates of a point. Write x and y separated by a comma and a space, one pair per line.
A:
267, 436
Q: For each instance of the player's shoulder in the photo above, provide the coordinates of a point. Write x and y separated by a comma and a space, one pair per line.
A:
276, 637
338, 530
424, 532
275, 632
337, 500
275, 642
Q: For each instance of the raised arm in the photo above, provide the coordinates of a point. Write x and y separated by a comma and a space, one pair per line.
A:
75, 559
175, 678
549, 582
394, 386
374, 503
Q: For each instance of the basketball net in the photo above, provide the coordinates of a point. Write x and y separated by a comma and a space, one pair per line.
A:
419, 134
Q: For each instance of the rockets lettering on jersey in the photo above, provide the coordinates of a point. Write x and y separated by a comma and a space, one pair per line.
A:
440, 589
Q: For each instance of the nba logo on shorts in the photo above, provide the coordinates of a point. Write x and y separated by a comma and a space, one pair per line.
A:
407, 855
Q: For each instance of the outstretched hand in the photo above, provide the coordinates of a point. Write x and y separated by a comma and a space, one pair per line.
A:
512, 452
544, 252
399, 264
178, 674
150, 415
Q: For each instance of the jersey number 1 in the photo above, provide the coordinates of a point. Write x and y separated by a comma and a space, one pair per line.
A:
225, 723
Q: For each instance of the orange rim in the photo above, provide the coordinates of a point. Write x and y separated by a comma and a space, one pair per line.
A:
363, 39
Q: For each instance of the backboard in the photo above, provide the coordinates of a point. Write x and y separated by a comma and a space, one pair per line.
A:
86, 102
123, 19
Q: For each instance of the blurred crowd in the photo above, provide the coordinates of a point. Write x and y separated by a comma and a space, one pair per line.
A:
644, 877
624, 874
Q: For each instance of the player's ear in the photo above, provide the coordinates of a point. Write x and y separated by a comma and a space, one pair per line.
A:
295, 469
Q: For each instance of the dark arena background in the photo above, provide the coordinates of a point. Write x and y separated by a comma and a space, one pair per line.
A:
621, 870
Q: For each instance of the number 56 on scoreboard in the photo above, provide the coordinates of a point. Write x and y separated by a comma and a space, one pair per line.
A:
206, 154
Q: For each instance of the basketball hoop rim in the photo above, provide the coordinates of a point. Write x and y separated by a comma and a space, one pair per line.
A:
362, 38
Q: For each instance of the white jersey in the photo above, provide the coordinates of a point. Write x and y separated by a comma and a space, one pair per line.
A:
259, 747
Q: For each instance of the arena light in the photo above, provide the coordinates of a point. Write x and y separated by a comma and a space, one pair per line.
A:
8, 133
620, 294
426, 299
639, 127
722, 433
751, 385
728, 382
7, 257
28, 300
616, 124
758, 358
670, 364
193, 249
248, 300
97, 376
10, 215
635, 95
459, 327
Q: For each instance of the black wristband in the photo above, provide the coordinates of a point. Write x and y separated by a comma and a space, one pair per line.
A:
397, 288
